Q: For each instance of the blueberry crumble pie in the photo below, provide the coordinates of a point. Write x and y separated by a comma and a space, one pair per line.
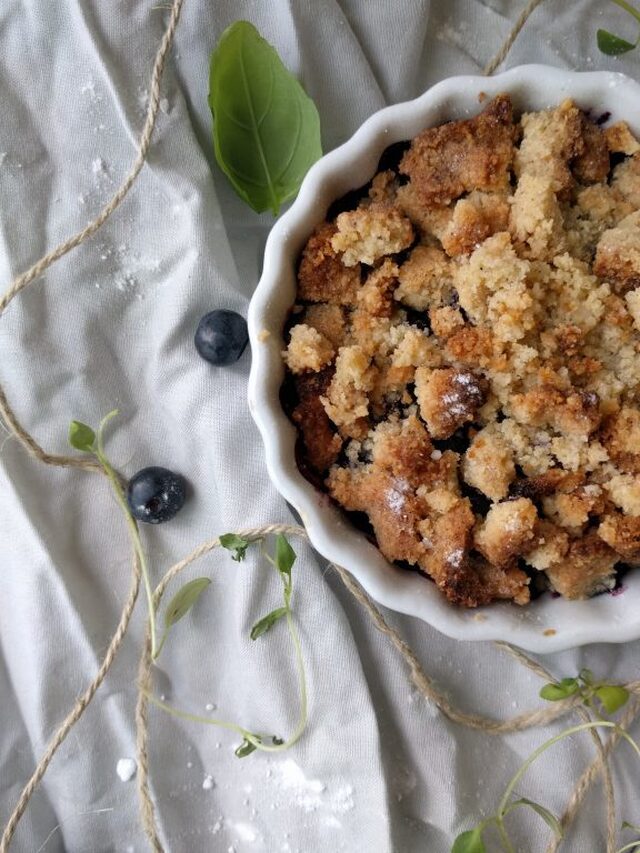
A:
463, 358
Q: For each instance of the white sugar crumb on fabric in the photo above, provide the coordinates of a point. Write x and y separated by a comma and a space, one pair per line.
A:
208, 783
164, 105
99, 166
126, 769
210, 707
243, 831
311, 795
457, 37
3, 157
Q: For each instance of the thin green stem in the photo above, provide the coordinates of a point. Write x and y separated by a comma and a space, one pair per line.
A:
134, 533
251, 736
628, 8
635, 845
504, 838
538, 752
196, 718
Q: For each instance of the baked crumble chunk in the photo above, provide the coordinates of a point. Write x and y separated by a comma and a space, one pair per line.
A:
463, 358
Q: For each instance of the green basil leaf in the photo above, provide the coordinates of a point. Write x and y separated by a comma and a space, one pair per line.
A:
285, 557
81, 436
548, 817
469, 842
555, 692
612, 697
184, 599
263, 625
236, 544
245, 748
266, 130
613, 45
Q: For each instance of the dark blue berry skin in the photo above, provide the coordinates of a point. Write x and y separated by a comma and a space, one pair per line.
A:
221, 337
155, 494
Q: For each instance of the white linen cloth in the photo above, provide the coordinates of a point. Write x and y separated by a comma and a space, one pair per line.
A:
112, 326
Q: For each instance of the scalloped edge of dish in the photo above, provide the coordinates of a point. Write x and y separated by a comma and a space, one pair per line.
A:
547, 624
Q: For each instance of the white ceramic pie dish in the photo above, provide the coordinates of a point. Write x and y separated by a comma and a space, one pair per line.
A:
547, 624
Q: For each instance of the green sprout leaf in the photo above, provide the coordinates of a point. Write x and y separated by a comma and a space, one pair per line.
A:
548, 817
469, 842
266, 130
267, 622
245, 748
81, 437
562, 690
613, 45
285, 557
627, 825
183, 600
236, 544
612, 697
586, 676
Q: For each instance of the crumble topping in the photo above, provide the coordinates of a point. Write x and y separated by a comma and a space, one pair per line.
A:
463, 360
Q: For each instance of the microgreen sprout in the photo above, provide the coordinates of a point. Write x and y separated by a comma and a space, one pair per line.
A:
612, 44
282, 560
472, 841
84, 439
633, 845
610, 697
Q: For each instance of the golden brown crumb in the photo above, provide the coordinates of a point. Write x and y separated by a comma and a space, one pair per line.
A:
390, 504
591, 166
622, 534
551, 140
573, 508
307, 350
346, 401
620, 140
475, 218
445, 321
508, 531
621, 438
329, 320
376, 295
550, 544
369, 233
322, 276
425, 278
448, 398
322, 444
488, 463
536, 217
624, 492
626, 179
476, 154
384, 187
618, 254
587, 568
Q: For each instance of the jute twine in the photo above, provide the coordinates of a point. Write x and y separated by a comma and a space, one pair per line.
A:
422, 682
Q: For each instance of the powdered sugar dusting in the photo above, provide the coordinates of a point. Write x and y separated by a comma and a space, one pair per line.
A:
126, 769
454, 558
312, 795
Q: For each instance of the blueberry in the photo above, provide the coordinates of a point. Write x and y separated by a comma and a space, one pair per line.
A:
155, 494
221, 336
